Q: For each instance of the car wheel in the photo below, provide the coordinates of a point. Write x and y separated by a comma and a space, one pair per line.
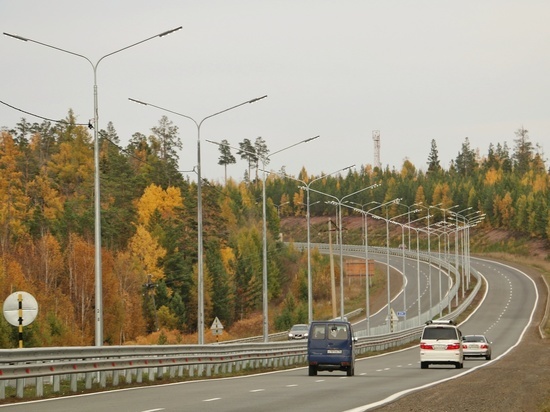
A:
459, 365
424, 365
488, 357
350, 371
312, 371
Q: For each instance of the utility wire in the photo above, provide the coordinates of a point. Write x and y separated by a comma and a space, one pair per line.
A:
42, 117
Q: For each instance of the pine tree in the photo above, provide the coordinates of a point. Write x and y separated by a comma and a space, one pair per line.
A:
433, 159
226, 157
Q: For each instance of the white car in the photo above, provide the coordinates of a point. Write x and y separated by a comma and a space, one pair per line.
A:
441, 344
476, 345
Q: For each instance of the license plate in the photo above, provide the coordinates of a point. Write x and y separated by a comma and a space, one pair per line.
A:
440, 346
474, 346
334, 351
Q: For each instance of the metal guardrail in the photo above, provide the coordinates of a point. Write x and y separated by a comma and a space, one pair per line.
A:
116, 364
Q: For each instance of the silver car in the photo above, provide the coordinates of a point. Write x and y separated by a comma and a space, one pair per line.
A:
298, 331
476, 345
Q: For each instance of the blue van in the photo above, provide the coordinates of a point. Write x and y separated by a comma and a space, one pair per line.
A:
331, 347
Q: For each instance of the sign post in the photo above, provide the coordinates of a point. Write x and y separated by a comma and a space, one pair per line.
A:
20, 309
216, 328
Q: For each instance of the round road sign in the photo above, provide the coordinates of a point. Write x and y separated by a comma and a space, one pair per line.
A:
29, 308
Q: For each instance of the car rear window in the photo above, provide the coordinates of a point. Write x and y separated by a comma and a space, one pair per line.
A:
440, 333
474, 339
335, 332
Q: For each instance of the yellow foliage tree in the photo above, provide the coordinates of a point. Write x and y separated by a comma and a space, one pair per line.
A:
145, 249
155, 198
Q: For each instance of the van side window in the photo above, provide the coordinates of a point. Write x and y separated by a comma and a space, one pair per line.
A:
318, 332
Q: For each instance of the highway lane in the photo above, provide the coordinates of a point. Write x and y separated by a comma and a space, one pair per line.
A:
506, 310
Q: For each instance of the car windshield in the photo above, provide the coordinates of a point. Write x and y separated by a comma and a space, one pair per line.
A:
439, 333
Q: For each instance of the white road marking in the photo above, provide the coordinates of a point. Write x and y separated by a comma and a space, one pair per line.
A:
211, 399
257, 390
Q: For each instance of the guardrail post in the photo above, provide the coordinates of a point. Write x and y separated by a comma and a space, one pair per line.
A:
115, 378
151, 374
74, 381
56, 383
19, 386
2, 389
200, 370
139, 377
89, 378
39, 386
102, 379
128, 375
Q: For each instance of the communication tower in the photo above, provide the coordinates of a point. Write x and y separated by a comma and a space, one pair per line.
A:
376, 138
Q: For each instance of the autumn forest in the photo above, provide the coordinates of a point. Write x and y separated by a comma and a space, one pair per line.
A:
149, 225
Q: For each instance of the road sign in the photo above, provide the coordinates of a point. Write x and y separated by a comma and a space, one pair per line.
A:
401, 314
20, 305
217, 327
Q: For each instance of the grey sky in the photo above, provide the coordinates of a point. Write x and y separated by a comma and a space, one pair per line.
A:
415, 70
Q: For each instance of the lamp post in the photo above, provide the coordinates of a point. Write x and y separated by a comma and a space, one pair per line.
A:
429, 252
309, 276
97, 200
279, 207
339, 203
394, 201
200, 263
403, 246
265, 160
418, 265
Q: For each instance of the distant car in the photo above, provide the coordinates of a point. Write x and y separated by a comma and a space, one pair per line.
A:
476, 345
298, 331
441, 344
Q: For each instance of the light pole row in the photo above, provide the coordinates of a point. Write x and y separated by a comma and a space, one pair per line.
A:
200, 243
97, 191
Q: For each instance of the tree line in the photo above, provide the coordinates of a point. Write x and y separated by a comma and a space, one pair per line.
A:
149, 225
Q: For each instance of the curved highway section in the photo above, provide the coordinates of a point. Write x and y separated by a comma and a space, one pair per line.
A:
506, 310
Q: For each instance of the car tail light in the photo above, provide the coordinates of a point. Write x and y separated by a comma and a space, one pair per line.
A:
484, 346
453, 346
426, 346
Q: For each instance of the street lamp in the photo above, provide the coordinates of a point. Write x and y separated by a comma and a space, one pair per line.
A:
392, 220
309, 276
418, 265
339, 203
97, 200
429, 251
200, 280
265, 160
279, 207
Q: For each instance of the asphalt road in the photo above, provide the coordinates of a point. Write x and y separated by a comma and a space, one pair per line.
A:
503, 315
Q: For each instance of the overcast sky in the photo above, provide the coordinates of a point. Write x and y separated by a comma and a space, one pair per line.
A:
414, 70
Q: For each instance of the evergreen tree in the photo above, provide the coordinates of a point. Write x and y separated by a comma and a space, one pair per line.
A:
433, 159
523, 151
226, 157
248, 152
466, 160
